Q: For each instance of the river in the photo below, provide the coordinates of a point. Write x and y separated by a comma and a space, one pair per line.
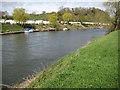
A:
25, 54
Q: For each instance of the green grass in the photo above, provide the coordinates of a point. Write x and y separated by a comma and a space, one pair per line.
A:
9, 28
94, 66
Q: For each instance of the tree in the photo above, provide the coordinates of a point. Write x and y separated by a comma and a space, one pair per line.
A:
114, 10
67, 16
53, 19
20, 15
43, 12
5, 15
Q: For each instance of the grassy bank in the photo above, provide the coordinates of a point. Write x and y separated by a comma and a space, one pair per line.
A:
11, 28
95, 65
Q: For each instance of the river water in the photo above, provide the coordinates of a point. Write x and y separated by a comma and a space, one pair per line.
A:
25, 54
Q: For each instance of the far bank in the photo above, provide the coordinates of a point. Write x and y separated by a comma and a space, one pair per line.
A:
7, 29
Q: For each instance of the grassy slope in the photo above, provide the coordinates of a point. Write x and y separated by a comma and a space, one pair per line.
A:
92, 66
39, 17
8, 28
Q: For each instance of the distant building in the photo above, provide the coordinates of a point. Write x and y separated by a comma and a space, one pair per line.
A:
30, 22
90, 23
46, 22
38, 21
75, 22
3, 21
10, 21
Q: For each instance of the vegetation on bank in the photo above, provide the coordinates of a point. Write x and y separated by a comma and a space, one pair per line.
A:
61, 26
11, 28
41, 27
93, 66
75, 14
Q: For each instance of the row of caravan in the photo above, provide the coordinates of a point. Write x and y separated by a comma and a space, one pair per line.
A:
27, 22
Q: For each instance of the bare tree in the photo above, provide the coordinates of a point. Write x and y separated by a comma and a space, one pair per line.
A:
113, 7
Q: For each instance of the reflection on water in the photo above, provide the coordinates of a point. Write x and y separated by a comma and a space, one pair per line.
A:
23, 54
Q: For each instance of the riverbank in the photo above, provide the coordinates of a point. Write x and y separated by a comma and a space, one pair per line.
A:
16, 29
93, 66
42, 30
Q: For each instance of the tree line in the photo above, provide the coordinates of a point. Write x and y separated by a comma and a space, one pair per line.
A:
76, 14
64, 14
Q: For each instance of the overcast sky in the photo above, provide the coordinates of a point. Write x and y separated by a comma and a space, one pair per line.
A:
48, 5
